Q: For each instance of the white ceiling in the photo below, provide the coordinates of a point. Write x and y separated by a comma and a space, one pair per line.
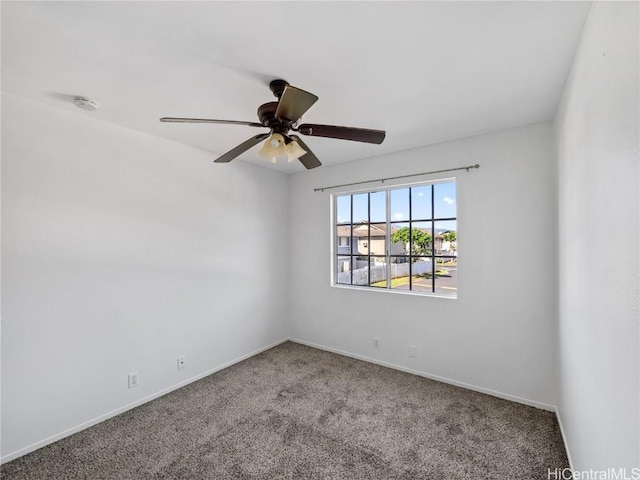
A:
425, 72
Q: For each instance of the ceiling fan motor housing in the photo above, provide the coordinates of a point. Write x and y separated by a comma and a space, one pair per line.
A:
267, 116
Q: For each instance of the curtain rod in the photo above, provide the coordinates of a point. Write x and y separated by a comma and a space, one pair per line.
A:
467, 168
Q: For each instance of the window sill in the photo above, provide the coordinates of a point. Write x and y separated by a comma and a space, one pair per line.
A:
413, 293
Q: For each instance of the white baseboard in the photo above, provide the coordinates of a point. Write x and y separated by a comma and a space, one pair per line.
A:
505, 396
564, 438
118, 411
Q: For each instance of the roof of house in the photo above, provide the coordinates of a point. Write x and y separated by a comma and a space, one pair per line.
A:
377, 230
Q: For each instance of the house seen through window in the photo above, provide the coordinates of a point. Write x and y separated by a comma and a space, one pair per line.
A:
402, 238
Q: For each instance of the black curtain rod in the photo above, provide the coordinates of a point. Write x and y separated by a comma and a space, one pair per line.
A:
467, 168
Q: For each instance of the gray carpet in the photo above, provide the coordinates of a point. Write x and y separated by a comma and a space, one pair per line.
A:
296, 412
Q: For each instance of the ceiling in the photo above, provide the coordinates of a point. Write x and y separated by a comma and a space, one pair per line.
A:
425, 72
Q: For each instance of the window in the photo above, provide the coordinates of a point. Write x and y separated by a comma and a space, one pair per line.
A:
399, 238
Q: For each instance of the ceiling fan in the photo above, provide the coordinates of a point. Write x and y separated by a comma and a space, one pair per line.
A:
282, 117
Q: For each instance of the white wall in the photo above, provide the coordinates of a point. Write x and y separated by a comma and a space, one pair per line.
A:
597, 139
121, 251
499, 334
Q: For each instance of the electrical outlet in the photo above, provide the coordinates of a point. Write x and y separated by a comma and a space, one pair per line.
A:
133, 379
376, 343
413, 351
182, 362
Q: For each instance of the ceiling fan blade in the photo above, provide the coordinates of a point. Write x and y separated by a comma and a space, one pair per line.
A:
240, 149
294, 103
309, 160
343, 133
209, 120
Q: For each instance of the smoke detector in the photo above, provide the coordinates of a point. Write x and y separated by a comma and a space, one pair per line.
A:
85, 104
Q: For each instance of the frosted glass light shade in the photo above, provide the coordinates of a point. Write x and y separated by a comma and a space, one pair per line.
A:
294, 151
273, 147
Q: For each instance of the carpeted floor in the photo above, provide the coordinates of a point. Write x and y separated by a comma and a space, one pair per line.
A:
295, 412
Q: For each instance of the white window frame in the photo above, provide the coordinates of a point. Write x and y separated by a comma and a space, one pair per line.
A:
387, 189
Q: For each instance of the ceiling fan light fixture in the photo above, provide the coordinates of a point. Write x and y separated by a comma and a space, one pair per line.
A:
294, 151
273, 147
